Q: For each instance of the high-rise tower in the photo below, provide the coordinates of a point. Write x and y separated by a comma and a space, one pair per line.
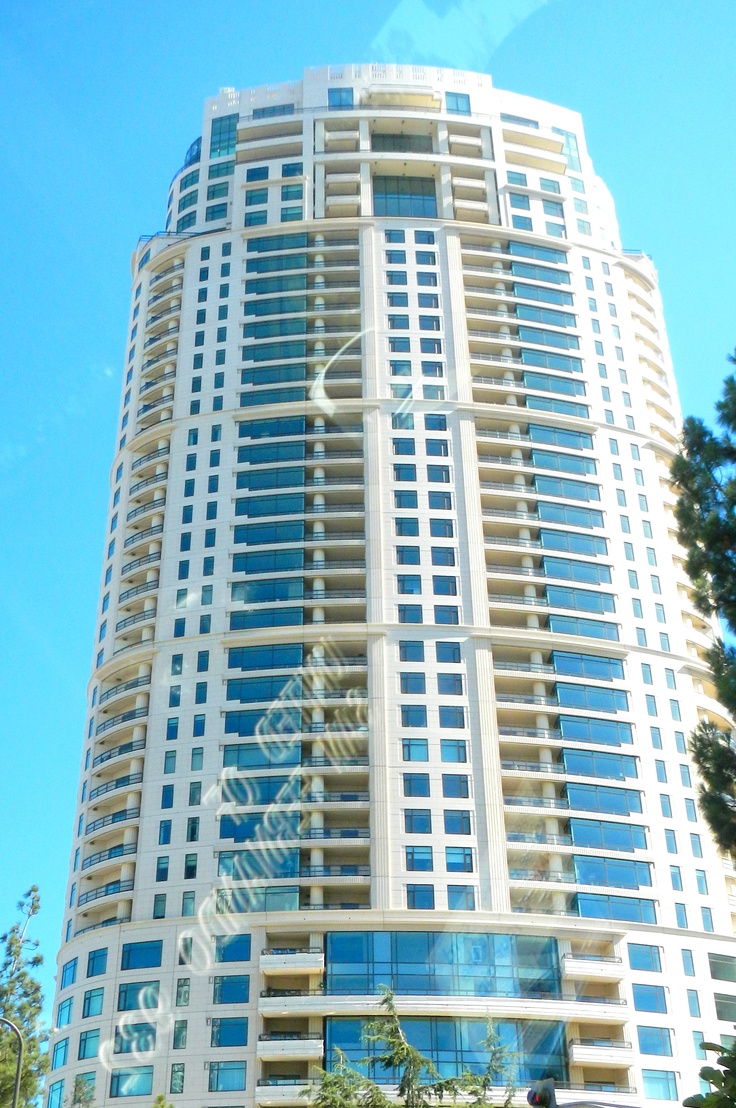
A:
396, 658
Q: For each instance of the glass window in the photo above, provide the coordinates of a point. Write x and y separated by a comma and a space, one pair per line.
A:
404, 196
643, 956
420, 897
655, 1040
649, 998
659, 1084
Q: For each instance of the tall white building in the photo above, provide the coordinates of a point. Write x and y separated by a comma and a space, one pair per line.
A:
396, 659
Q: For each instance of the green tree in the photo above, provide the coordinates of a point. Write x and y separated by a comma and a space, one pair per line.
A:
416, 1078
21, 1002
723, 1080
705, 474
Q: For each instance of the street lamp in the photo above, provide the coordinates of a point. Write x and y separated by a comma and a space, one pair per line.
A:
19, 1063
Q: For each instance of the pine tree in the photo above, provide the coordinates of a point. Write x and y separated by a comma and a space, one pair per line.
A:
705, 474
21, 1002
417, 1080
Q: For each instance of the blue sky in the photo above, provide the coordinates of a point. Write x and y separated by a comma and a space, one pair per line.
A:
100, 102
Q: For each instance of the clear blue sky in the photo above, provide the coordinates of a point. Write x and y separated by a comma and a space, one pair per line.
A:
100, 102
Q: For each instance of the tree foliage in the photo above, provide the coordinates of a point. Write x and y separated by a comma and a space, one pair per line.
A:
723, 1080
416, 1078
705, 473
21, 1002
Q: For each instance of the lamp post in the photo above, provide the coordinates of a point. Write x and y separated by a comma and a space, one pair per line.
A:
19, 1063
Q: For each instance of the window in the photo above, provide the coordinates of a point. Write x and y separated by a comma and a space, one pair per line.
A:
419, 858
138, 994
410, 613
68, 973
696, 846
420, 897
681, 915
409, 584
649, 998
659, 1084
97, 962
159, 903
458, 103
643, 956
458, 859
234, 989
414, 750
676, 878
60, 1054
230, 1031
451, 716
412, 683
141, 955
232, 948
404, 196
410, 651
91, 1006
416, 784
226, 1076
417, 821
455, 786
132, 1080
89, 1044
162, 868
453, 750
339, 98
690, 810
457, 822
450, 684
670, 839
688, 965
461, 898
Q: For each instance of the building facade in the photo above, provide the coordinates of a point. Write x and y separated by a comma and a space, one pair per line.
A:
396, 658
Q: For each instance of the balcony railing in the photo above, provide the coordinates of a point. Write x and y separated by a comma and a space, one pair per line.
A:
151, 457
111, 889
145, 560
139, 617
157, 479
140, 536
125, 686
118, 751
137, 590
115, 817
118, 783
108, 855
151, 506
123, 717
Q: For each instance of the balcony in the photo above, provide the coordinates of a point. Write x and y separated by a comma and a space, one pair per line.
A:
587, 967
122, 717
119, 752
309, 959
290, 1045
176, 267
146, 459
125, 782
143, 536
113, 888
144, 509
124, 686
122, 816
156, 479
113, 853
600, 1052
